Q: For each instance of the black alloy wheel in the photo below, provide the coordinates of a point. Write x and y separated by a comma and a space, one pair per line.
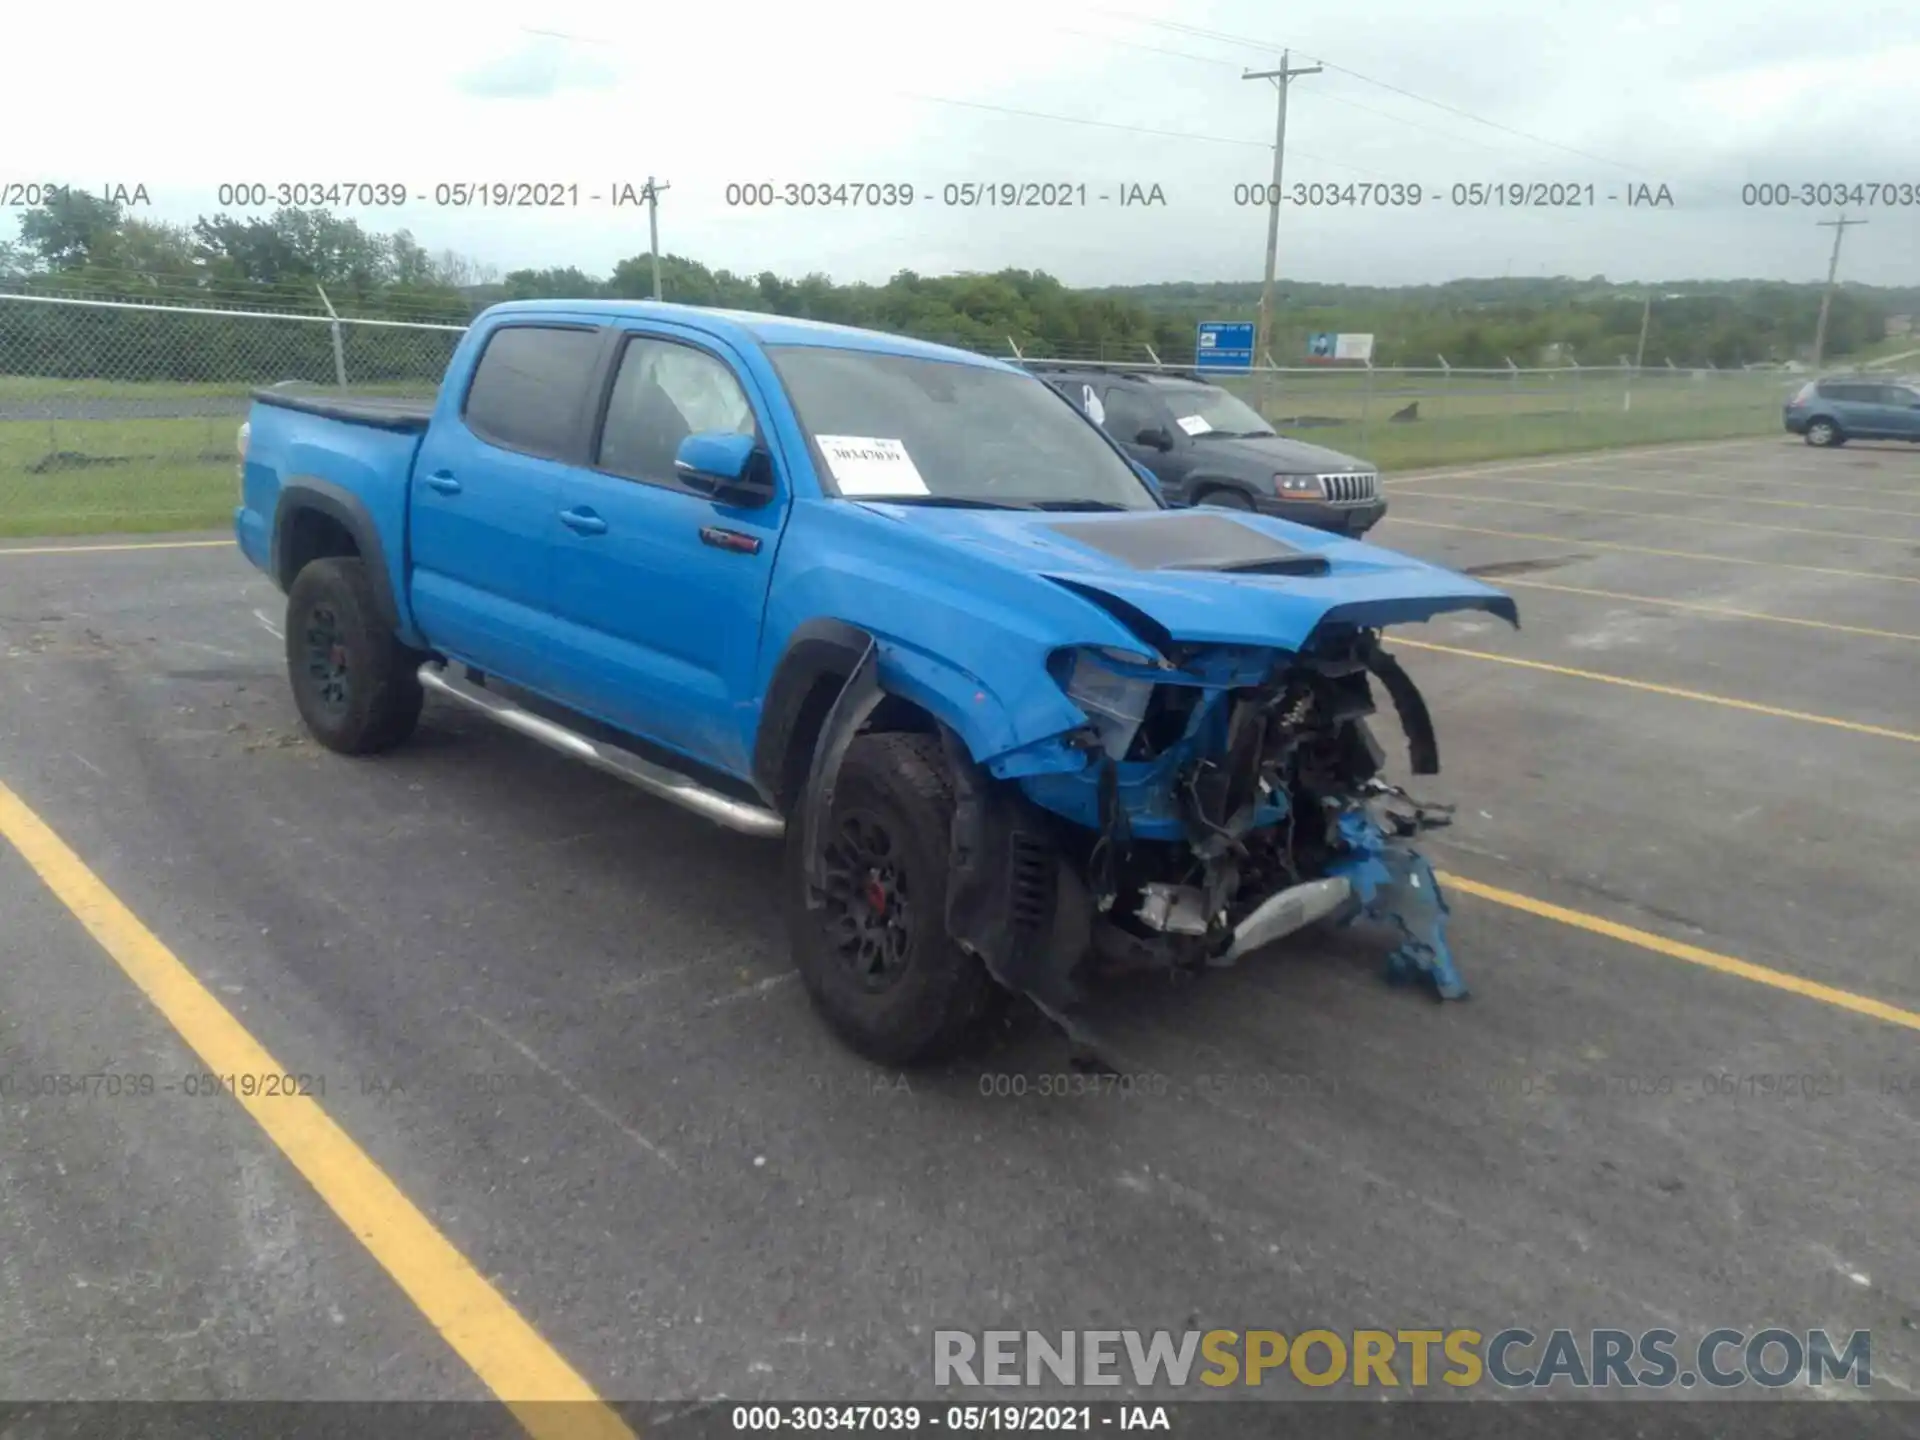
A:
326, 661
868, 902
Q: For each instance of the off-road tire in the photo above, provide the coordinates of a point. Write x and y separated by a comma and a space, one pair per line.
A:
1226, 499
1825, 434
941, 996
363, 694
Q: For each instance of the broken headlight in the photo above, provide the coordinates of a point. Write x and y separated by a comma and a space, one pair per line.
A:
1115, 702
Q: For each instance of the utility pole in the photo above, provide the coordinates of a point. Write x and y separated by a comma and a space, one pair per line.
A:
652, 194
1826, 296
1282, 78
1640, 352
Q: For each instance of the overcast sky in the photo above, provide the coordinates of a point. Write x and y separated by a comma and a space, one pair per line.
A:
1703, 98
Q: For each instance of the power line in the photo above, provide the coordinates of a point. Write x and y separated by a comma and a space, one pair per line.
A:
1079, 120
1228, 37
1134, 129
1057, 119
1481, 119
1220, 64
1150, 49
1229, 64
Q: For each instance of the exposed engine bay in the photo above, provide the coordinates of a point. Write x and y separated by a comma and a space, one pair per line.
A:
1231, 796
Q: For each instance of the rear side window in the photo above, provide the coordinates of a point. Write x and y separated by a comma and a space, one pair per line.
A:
528, 388
1867, 394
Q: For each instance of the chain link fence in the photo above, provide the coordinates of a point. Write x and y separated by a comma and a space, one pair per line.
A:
118, 416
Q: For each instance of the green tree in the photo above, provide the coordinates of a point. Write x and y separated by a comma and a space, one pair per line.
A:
567, 283
151, 251
64, 232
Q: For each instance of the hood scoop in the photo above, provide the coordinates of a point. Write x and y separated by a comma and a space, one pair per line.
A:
1191, 540
1301, 564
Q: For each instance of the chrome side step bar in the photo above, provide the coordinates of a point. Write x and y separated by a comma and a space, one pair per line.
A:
668, 785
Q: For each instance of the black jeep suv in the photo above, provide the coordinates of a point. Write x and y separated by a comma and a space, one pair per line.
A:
1207, 447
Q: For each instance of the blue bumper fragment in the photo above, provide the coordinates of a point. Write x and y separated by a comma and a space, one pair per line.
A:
1395, 885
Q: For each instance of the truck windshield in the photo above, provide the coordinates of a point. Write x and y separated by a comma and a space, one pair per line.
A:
898, 427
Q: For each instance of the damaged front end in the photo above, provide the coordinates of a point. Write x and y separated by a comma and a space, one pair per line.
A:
1226, 796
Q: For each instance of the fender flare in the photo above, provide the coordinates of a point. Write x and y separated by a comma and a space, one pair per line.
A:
817, 649
981, 851
832, 650
858, 698
310, 493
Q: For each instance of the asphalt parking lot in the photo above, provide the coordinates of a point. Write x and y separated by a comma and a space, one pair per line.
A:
559, 1018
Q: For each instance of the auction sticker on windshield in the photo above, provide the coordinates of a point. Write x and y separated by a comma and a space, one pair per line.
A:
865, 466
1194, 424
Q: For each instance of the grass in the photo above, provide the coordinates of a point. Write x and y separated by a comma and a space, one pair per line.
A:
1906, 347
1470, 419
118, 476
86, 477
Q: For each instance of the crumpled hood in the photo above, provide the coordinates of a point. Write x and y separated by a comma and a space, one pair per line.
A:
1207, 575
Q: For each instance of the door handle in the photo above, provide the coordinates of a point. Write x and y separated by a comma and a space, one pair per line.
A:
732, 540
444, 482
585, 522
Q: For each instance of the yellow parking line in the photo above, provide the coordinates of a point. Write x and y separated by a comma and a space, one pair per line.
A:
1692, 954
97, 549
1725, 611
1673, 690
1717, 520
547, 1395
1651, 550
1733, 497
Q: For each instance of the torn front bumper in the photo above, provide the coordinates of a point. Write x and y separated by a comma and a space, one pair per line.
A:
1393, 884
1251, 810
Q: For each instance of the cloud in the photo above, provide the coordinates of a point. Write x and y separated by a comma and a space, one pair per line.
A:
538, 67
1705, 97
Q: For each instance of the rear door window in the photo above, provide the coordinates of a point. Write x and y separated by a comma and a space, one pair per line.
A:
529, 390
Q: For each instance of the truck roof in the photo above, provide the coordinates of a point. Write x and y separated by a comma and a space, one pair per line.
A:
751, 326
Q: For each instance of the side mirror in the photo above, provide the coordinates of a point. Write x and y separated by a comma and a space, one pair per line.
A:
1157, 438
724, 466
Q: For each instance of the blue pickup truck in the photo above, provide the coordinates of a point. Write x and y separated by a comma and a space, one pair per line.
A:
1020, 724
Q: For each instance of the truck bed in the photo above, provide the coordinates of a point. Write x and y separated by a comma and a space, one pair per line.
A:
387, 412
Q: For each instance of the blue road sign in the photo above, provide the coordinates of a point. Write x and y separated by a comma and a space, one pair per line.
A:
1224, 345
